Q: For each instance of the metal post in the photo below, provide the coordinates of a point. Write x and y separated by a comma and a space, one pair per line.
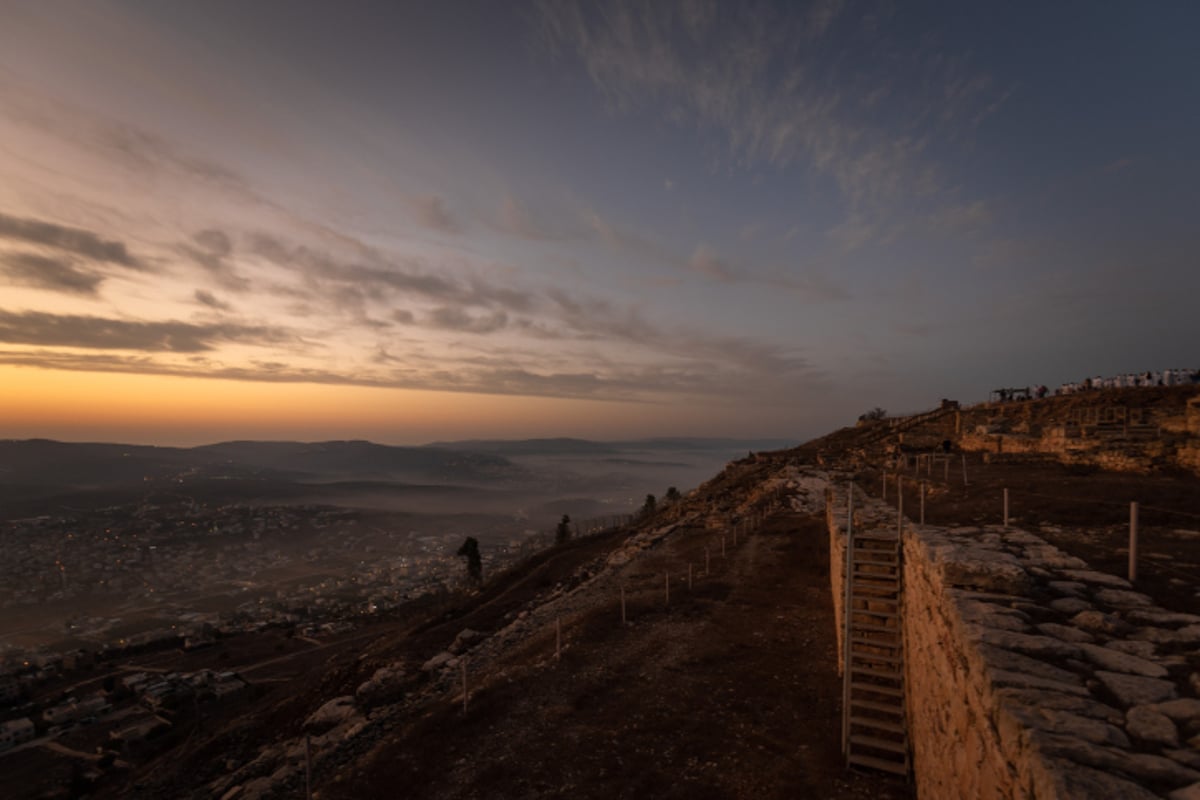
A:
722, 545
885, 486
846, 620
1133, 541
964, 463
922, 502
1006, 509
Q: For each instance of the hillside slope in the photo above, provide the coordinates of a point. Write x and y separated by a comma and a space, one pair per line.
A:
728, 690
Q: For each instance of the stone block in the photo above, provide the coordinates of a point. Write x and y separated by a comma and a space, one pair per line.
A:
1046, 647
1134, 690
1065, 632
1100, 623
1116, 661
1121, 598
1149, 726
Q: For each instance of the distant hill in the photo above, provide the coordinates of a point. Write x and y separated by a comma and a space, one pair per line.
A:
48, 462
580, 447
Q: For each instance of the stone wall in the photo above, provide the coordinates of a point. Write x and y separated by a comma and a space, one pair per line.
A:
1163, 430
1029, 675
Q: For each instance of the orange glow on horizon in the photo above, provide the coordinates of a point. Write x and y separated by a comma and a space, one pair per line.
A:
187, 411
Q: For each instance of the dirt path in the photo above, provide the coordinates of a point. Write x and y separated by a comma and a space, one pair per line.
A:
731, 691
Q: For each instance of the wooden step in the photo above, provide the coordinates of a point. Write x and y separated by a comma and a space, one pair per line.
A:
891, 675
881, 764
877, 535
870, 642
871, 599
868, 591
873, 705
879, 744
883, 614
869, 628
876, 657
876, 572
879, 724
890, 691
860, 557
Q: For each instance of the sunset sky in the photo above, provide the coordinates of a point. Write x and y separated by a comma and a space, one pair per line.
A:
408, 221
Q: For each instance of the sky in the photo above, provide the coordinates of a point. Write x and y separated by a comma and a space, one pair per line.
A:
409, 221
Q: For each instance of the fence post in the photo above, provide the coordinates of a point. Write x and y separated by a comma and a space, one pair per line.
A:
964, 465
922, 502
899, 505
463, 662
722, 545
946, 464
706, 561
558, 638
308, 766
689, 576
1006, 509
1133, 541
885, 486
623, 604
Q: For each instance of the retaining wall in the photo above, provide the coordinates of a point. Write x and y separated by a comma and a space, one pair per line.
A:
1029, 675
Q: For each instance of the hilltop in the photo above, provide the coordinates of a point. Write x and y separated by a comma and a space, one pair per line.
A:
730, 689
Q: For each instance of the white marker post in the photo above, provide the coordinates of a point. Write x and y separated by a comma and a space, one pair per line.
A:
1133, 541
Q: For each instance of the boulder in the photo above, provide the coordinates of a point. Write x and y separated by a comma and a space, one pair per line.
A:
330, 715
437, 662
385, 686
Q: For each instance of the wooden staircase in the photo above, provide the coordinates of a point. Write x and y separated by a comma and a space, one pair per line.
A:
876, 733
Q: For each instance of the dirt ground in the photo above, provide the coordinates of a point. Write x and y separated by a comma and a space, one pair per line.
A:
730, 691
1083, 511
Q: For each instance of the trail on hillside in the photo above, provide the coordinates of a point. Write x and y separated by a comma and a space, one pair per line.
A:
730, 691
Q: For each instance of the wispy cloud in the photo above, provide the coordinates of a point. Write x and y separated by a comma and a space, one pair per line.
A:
77, 241
431, 211
515, 219
759, 77
52, 273
207, 298
212, 250
705, 261
67, 330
